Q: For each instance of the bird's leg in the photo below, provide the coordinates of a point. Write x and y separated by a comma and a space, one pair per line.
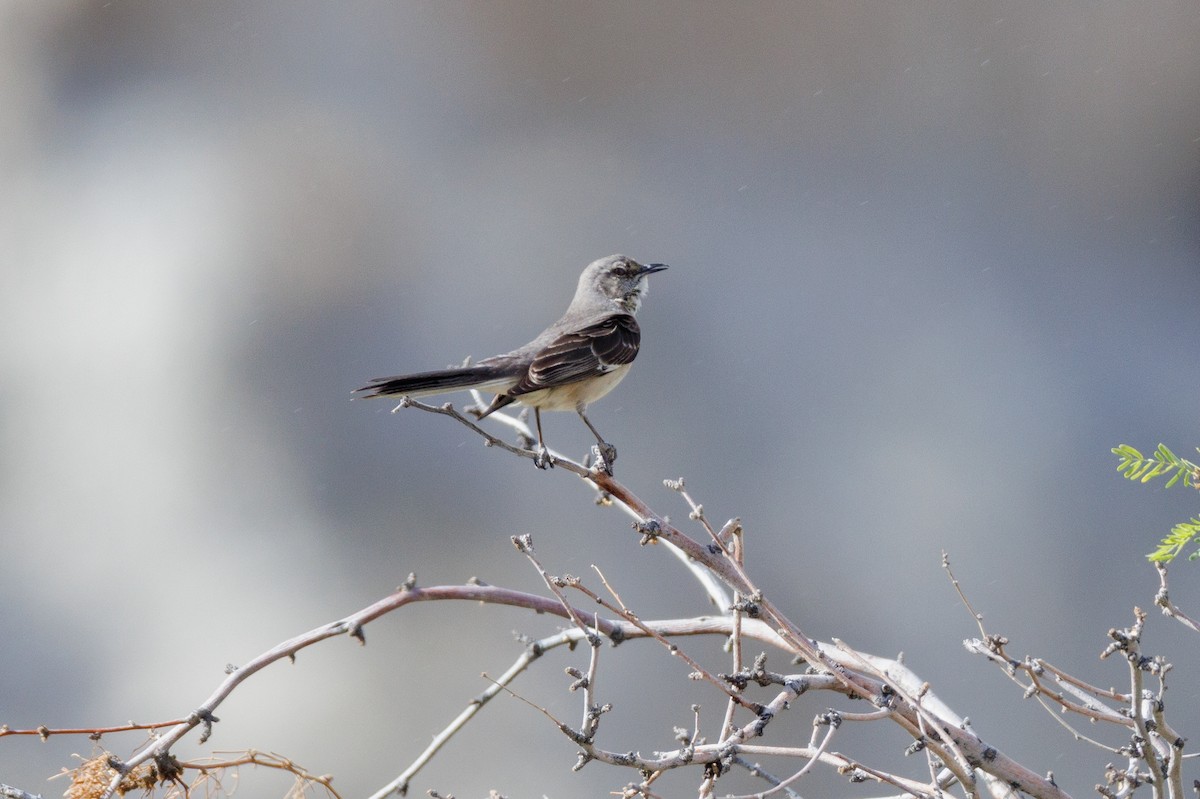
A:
523, 435
543, 459
606, 453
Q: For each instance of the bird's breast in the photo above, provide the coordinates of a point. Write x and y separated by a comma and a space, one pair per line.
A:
572, 396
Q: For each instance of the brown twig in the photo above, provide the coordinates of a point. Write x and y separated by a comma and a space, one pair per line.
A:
94, 733
269, 760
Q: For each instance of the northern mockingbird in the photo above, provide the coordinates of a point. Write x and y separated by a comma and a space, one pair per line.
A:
573, 363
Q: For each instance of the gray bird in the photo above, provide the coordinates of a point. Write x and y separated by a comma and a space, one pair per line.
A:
573, 363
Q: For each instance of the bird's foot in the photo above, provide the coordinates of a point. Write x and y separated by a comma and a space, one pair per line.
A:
542, 458
603, 455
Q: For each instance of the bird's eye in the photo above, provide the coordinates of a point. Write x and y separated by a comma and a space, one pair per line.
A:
621, 268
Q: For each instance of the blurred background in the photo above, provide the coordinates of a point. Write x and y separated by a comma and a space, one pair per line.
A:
929, 263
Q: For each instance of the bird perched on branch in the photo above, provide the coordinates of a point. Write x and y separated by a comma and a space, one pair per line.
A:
571, 364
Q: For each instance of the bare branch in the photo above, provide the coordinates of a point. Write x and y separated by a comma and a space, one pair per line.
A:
952, 750
211, 766
8, 792
1169, 608
818, 752
94, 733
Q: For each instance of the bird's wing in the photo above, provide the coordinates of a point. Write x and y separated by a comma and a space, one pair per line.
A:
581, 353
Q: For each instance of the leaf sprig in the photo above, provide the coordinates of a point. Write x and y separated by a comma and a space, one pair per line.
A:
1139, 468
1181, 535
1136, 467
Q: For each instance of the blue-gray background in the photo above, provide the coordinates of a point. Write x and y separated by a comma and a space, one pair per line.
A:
929, 263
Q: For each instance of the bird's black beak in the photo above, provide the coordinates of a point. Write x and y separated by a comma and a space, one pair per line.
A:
651, 268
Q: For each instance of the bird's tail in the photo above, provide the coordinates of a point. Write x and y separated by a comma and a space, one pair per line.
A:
483, 377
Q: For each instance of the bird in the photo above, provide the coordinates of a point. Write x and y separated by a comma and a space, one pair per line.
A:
568, 366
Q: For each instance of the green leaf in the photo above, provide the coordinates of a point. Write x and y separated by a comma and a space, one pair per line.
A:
1181, 535
1135, 466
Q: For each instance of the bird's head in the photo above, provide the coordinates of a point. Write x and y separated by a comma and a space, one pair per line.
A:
618, 280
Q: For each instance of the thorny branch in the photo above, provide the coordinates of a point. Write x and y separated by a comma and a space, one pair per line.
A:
846, 675
955, 754
1154, 751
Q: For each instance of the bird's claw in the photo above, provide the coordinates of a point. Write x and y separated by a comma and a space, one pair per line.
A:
603, 455
542, 458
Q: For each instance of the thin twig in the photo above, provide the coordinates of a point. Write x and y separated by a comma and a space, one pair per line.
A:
264, 759
830, 731
94, 733
674, 649
532, 652
1063, 677
756, 770
524, 544
447, 409
1169, 608
735, 645
843, 764
943, 744
978, 617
